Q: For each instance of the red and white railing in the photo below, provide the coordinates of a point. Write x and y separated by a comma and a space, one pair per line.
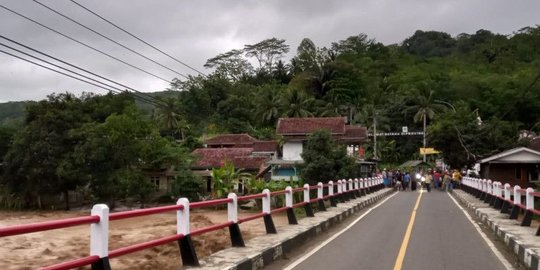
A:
342, 190
508, 199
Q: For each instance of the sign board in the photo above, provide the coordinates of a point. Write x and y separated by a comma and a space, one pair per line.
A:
404, 129
383, 134
428, 151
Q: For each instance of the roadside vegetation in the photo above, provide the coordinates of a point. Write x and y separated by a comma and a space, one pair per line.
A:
474, 91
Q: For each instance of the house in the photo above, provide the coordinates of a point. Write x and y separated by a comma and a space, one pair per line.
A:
415, 165
244, 151
518, 166
161, 180
295, 132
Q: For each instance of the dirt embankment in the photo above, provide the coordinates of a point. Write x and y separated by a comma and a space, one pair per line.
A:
35, 250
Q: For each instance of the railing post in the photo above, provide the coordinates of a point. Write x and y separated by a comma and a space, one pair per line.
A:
489, 192
320, 195
351, 189
345, 190
99, 237
289, 204
529, 206
234, 229
507, 196
357, 187
266, 208
333, 201
497, 201
517, 202
307, 206
340, 191
187, 249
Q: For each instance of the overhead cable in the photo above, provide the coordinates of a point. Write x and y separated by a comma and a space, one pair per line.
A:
111, 87
109, 39
74, 66
84, 44
136, 37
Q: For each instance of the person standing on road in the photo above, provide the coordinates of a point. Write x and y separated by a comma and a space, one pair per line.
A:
429, 179
437, 179
385, 178
447, 181
456, 178
406, 180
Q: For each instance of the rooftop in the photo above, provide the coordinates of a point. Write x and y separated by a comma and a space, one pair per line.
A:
230, 139
303, 126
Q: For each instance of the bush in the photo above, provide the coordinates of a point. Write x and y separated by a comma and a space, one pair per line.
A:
188, 187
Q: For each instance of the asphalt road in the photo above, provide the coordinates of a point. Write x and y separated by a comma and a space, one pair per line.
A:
441, 238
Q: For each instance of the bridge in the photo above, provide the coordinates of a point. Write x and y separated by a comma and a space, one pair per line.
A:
348, 224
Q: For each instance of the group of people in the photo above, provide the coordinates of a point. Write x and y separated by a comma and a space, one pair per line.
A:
440, 180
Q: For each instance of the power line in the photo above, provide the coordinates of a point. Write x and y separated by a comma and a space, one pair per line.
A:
110, 39
136, 37
79, 74
84, 44
65, 74
74, 66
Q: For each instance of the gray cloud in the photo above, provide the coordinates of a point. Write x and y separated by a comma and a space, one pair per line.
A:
194, 31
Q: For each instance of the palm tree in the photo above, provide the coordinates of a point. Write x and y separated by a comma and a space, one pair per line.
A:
372, 117
296, 104
424, 106
267, 107
168, 116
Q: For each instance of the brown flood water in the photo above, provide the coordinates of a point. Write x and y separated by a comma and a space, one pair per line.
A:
40, 249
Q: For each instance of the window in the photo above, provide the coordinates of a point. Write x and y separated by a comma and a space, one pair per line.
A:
534, 172
155, 182
518, 172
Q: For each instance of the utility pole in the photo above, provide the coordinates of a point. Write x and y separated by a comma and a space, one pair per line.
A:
375, 136
424, 157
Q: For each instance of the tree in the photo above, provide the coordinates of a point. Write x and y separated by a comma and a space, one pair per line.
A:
267, 103
33, 165
266, 52
113, 155
324, 160
296, 104
225, 177
231, 65
424, 107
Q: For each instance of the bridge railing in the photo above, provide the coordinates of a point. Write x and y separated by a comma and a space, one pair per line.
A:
510, 200
339, 191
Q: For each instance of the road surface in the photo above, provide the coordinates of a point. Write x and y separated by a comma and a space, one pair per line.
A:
410, 230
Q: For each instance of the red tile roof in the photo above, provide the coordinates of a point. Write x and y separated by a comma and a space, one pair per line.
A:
355, 134
231, 139
265, 146
214, 157
303, 126
249, 163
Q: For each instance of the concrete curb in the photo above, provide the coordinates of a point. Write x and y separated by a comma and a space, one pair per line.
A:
263, 250
521, 240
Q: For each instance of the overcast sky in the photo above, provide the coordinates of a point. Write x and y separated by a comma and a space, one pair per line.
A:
193, 31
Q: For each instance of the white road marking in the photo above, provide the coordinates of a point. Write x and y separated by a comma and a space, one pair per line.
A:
490, 244
303, 258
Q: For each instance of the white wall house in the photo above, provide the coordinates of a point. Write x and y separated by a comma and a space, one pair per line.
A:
292, 150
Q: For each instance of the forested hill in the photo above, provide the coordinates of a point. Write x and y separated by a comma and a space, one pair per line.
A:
476, 91
12, 113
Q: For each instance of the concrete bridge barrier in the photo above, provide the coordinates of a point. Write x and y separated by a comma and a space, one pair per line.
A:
351, 195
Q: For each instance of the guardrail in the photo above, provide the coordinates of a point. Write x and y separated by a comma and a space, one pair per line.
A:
340, 191
505, 198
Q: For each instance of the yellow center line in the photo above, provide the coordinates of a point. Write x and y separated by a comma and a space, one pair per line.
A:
401, 255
